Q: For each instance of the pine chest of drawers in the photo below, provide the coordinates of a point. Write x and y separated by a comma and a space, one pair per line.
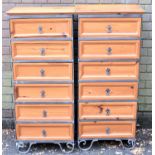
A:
101, 104
108, 62
43, 74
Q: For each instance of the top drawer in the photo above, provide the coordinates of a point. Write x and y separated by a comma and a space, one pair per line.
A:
41, 27
109, 27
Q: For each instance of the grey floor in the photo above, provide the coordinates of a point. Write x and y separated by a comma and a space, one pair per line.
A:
143, 146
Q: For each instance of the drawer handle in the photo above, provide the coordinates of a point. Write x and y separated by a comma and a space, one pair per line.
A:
40, 29
44, 133
107, 91
44, 113
42, 72
107, 130
109, 50
42, 93
107, 71
109, 29
100, 108
42, 51
107, 111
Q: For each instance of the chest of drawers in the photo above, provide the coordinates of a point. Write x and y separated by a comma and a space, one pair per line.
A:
106, 86
42, 54
108, 61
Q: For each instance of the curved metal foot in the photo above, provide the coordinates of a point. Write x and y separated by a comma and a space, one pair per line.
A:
82, 144
69, 146
130, 144
23, 147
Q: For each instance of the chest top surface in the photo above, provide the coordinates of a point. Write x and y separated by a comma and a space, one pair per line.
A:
79, 9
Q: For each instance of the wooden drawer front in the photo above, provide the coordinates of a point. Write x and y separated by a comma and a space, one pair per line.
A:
108, 70
44, 131
112, 129
43, 71
54, 112
55, 27
107, 90
109, 27
43, 92
42, 50
108, 110
109, 49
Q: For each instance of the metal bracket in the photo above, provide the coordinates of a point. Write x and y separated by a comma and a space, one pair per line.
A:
69, 146
129, 144
24, 147
83, 145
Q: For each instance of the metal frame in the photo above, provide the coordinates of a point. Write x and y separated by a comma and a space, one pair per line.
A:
40, 16
108, 100
44, 122
117, 15
82, 143
130, 142
108, 60
50, 102
20, 144
105, 120
43, 82
107, 38
41, 39
83, 81
42, 61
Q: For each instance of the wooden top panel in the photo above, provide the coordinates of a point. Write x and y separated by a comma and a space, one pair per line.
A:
42, 10
109, 9
79, 9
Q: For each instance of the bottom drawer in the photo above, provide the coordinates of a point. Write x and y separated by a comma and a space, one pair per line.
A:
112, 129
44, 131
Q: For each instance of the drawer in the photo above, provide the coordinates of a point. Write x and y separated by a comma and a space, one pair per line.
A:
109, 49
44, 112
56, 27
43, 92
108, 70
107, 110
43, 71
108, 90
112, 129
42, 50
109, 27
44, 131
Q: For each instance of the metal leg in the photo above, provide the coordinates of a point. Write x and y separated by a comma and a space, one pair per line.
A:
130, 144
23, 147
83, 145
69, 147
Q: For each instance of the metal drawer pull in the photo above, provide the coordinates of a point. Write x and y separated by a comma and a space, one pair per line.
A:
107, 130
42, 72
40, 29
100, 108
42, 93
44, 113
109, 50
109, 29
42, 51
107, 111
107, 91
44, 134
107, 71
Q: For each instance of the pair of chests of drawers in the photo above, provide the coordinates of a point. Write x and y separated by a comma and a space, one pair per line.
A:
109, 49
42, 52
